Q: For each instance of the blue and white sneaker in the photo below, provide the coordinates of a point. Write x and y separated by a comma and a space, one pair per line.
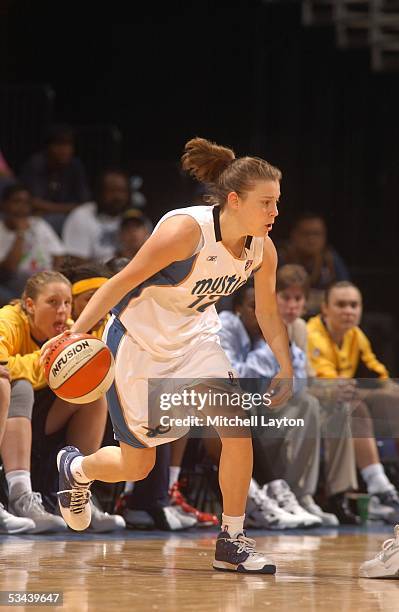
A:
238, 555
73, 497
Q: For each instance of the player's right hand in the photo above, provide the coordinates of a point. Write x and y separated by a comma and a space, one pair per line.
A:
280, 390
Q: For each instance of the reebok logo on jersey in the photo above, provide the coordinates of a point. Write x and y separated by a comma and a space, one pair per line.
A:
212, 258
249, 264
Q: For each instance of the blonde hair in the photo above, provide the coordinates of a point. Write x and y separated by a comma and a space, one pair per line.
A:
222, 171
35, 284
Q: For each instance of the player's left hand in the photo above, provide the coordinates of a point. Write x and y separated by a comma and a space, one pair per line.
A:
281, 389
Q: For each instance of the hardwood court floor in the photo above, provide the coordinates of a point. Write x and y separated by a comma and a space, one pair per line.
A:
145, 572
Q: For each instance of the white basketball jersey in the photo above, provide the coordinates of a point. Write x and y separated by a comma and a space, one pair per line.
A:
174, 310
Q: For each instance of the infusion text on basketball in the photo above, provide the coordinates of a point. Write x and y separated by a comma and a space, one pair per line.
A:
63, 360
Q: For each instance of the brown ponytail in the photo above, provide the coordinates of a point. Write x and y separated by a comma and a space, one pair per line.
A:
206, 160
222, 172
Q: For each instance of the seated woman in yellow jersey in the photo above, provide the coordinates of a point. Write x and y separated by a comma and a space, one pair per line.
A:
36, 418
338, 349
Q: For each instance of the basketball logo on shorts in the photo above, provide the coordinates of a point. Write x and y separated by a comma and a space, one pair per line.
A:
157, 431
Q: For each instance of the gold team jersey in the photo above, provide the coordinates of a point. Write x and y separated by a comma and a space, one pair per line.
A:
18, 348
328, 360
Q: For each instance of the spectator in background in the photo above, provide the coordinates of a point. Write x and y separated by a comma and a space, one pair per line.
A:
91, 231
135, 229
301, 463
251, 357
338, 350
56, 178
39, 422
116, 264
27, 244
292, 286
308, 247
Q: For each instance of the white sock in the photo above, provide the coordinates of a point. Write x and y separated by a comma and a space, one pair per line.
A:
77, 471
375, 478
233, 524
18, 483
174, 472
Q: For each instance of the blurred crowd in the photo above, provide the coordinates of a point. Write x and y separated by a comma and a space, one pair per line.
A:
60, 240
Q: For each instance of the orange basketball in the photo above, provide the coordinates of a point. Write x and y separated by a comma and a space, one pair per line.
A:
80, 368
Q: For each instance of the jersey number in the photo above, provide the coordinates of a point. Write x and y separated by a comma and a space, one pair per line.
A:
203, 306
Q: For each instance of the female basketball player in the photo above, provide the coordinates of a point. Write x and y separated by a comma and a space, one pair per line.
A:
164, 326
33, 409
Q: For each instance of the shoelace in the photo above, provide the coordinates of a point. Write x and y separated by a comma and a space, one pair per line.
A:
243, 544
33, 501
79, 499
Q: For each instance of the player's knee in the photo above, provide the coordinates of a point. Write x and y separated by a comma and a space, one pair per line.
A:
21, 400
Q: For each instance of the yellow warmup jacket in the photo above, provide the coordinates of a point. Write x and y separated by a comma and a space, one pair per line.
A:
18, 348
328, 360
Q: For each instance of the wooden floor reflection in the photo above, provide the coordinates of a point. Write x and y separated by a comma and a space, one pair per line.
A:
144, 574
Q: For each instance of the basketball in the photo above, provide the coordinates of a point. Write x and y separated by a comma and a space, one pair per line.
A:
80, 368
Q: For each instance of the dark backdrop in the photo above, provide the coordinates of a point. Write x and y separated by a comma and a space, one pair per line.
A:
246, 74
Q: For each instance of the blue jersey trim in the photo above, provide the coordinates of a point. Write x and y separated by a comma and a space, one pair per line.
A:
172, 275
121, 430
